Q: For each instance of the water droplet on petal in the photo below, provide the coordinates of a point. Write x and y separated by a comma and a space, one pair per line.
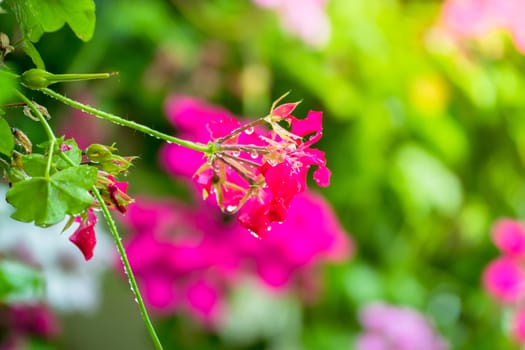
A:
254, 234
231, 208
248, 131
254, 154
236, 153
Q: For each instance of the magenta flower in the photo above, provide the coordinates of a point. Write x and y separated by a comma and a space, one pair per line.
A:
188, 258
84, 236
252, 170
509, 236
400, 328
504, 279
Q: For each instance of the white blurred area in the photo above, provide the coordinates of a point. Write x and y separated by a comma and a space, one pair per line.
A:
71, 283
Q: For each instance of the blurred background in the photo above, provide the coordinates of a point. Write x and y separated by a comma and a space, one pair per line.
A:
424, 133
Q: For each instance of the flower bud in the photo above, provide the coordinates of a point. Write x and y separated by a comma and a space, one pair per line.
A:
116, 164
36, 78
98, 153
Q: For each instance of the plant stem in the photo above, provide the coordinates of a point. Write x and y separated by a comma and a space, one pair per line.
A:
127, 268
110, 221
43, 121
128, 123
49, 131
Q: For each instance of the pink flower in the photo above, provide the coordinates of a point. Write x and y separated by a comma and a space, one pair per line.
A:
304, 18
391, 327
504, 279
476, 18
84, 236
253, 171
509, 236
188, 258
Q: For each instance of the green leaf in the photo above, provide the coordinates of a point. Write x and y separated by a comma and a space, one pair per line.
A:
19, 282
7, 85
32, 52
46, 201
34, 164
40, 16
73, 152
7, 141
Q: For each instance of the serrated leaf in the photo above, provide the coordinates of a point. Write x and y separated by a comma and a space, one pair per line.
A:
19, 282
46, 201
40, 16
7, 142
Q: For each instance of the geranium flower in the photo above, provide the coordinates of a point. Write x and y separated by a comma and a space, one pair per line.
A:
509, 236
504, 278
251, 170
188, 258
84, 237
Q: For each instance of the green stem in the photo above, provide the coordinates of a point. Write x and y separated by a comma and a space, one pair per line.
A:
127, 268
43, 121
110, 221
47, 128
128, 123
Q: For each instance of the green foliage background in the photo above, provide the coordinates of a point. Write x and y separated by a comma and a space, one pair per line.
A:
426, 144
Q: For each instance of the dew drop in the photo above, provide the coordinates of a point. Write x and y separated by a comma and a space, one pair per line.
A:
254, 234
254, 154
236, 153
249, 131
231, 208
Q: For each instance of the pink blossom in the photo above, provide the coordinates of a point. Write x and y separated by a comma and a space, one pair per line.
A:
254, 171
34, 319
306, 19
504, 279
187, 258
84, 236
476, 18
509, 236
22, 322
401, 328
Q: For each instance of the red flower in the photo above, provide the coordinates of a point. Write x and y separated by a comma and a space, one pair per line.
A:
258, 172
84, 237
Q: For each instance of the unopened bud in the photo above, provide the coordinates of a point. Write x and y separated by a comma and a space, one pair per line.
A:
38, 78
98, 153
116, 164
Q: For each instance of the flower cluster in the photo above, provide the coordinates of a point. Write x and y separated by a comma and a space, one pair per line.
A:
504, 277
400, 328
477, 18
251, 170
22, 322
188, 257
306, 19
